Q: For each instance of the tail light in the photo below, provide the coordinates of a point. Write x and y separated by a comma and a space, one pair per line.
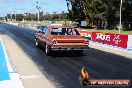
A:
54, 42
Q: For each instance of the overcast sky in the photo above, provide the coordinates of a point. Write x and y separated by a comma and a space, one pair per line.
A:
24, 6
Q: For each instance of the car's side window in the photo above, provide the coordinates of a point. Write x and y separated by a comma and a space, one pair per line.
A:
44, 30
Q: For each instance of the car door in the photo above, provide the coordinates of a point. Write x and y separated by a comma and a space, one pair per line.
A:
41, 37
44, 36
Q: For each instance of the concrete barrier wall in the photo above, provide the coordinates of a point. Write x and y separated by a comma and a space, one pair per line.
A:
129, 43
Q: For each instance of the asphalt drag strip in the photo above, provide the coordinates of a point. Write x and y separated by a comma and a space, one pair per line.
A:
62, 69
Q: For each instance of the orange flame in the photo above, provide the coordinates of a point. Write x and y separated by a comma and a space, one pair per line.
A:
84, 74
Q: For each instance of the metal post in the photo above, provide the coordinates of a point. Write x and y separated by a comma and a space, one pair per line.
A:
38, 16
38, 8
11, 16
15, 15
120, 27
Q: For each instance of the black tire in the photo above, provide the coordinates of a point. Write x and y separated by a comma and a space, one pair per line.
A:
80, 52
47, 50
37, 43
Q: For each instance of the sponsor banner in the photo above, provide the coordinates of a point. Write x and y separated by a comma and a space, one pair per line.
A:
111, 39
86, 34
94, 36
129, 43
107, 38
103, 37
119, 40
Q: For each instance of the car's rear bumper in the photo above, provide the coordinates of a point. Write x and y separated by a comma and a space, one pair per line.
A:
61, 48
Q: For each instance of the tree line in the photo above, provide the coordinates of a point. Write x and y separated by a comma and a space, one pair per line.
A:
103, 14
47, 16
34, 17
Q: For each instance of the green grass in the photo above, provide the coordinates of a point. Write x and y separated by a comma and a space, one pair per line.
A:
115, 31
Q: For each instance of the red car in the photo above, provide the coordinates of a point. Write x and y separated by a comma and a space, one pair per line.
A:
59, 37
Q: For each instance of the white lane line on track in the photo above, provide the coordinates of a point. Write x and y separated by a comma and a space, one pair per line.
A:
6, 57
15, 81
31, 77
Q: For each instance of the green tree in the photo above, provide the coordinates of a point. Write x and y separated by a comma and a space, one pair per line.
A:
102, 13
75, 9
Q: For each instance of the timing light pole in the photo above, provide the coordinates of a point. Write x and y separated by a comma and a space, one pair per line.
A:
120, 26
38, 8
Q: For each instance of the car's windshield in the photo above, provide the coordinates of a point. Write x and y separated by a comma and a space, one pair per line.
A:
64, 31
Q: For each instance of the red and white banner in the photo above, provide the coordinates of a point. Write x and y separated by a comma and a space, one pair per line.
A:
103, 37
119, 40
94, 36
85, 34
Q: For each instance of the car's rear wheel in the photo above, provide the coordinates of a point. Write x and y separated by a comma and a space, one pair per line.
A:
47, 50
37, 43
